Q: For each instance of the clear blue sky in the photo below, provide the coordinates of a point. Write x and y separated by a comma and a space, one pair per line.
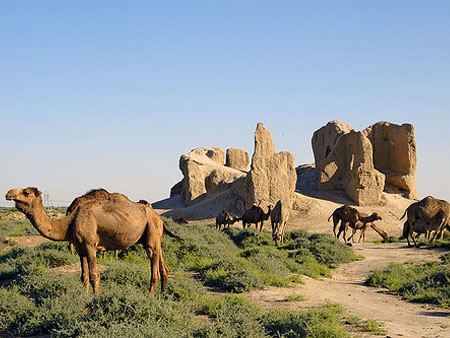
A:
111, 93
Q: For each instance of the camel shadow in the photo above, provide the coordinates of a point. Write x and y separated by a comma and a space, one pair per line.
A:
435, 314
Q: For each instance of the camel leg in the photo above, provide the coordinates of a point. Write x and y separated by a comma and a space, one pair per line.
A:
164, 271
439, 230
351, 237
116, 255
104, 254
335, 223
71, 248
362, 234
341, 229
154, 256
84, 273
94, 275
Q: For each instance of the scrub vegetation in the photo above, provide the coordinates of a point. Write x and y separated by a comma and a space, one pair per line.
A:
35, 300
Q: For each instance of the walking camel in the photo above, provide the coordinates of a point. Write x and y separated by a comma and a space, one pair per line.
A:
278, 218
225, 219
255, 215
349, 216
111, 222
363, 223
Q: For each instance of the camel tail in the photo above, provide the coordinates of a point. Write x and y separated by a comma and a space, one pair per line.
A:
171, 234
405, 231
330, 217
404, 214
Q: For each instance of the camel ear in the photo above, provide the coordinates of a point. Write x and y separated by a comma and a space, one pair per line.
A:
36, 192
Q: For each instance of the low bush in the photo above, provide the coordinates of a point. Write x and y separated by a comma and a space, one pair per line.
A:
39, 302
324, 321
426, 283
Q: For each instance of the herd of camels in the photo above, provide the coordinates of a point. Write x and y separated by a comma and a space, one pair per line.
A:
99, 220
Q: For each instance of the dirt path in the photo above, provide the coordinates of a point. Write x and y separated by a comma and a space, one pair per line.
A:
401, 318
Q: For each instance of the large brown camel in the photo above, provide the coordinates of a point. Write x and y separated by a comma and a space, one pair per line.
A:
278, 218
349, 216
255, 215
434, 212
419, 227
89, 196
365, 221
225, 219
111, 223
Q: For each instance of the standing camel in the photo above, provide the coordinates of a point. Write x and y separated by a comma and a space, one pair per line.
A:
343, 214
278, 218
349, 216
255, 215
434, 212
225, 219
111, 223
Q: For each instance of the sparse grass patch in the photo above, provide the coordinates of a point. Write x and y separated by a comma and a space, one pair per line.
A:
14, 228
323, 321
426, 283
373, 326
295, 297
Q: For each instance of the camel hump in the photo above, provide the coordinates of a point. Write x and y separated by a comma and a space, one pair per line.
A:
91, 195
144, 202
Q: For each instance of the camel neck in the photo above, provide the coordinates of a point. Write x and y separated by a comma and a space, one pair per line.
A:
54, 229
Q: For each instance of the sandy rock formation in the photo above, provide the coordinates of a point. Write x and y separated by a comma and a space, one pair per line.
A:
349, 167
204, 173
364, 164
237, 159
324, 140
272, 176
395, 155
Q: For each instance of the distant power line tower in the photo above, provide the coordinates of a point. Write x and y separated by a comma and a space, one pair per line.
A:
46, 198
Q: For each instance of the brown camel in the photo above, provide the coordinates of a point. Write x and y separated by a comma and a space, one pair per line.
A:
90, 196
434, 212
255, 215
278, 218
363, 223
343, 214
419, 227
111, 224
349, 216
225, 219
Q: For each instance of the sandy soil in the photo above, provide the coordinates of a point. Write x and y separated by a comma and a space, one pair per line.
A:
401, 318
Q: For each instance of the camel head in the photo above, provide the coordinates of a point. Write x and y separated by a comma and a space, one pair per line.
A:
25, 198
375, 216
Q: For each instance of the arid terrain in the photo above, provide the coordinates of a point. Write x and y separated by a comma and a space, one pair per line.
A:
401, 318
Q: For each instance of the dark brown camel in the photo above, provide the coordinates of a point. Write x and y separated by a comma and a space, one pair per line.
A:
111, 224
255, 215
225, 219
349, 216
343, 214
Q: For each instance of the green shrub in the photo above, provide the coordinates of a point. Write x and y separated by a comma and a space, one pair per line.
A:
429, 282
17, 228
14, 309
39, 283
324, 321
249, 237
